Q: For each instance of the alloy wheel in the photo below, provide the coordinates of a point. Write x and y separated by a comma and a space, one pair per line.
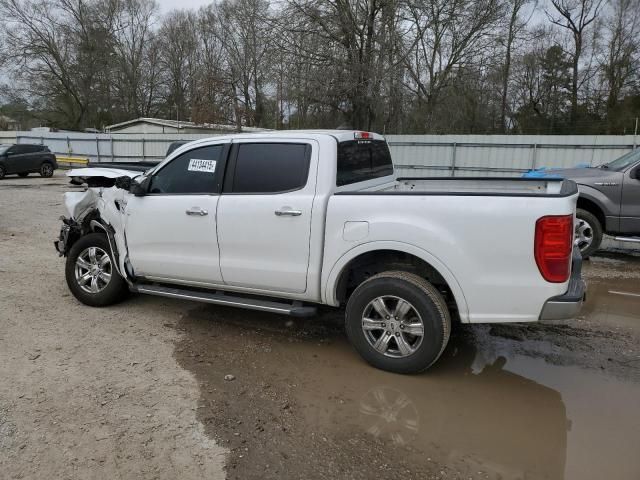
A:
392, 326
93, 270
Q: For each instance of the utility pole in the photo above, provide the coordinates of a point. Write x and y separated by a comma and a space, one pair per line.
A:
635, 135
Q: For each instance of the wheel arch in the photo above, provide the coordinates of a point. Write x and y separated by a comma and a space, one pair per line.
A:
592, 206
368, 259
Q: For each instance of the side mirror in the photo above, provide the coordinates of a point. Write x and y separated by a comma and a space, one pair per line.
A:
635, 173
132, 186
139, 189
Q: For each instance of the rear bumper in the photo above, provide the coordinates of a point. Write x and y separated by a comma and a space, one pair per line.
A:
568, 305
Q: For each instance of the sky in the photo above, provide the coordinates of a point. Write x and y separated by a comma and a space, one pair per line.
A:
167, 5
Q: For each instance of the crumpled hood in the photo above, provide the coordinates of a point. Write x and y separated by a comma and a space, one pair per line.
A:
104, 172
77, 203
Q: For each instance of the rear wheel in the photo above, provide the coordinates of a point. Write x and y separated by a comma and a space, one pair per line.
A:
588, 232
91, 273
46, 170
398, 322
23, 174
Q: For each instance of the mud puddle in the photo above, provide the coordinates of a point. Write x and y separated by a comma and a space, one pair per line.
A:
517, 402
614, 303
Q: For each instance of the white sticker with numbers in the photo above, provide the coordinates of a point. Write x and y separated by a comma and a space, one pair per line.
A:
197, 165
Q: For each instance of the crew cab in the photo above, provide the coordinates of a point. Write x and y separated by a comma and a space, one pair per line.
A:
285, 221
23, 159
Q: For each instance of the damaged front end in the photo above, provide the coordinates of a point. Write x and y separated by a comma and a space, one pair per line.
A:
69, 233
98, 208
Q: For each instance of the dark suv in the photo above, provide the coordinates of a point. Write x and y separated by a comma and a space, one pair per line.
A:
23, 159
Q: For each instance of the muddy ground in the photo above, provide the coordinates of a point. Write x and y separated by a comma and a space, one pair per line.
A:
138, 390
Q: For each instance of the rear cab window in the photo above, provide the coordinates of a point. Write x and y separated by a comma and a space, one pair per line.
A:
362, 160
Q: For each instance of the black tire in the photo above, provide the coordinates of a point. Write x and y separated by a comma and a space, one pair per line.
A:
23, 174
3, 172
46, 170
113, 291
594, 230
425, 300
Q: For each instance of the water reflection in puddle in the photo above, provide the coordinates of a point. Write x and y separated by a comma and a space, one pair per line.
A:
506, 415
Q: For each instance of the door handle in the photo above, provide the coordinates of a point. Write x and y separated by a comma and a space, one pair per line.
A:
197, 211
288, 212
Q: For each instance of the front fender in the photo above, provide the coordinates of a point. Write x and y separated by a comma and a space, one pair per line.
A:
330, 282
610, 207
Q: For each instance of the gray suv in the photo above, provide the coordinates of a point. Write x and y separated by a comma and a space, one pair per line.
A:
23, 159
609, 200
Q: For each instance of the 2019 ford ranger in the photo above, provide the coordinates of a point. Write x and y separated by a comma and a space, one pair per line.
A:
284, 221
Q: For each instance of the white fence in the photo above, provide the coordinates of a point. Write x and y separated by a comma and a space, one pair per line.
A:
413, 155
501, 155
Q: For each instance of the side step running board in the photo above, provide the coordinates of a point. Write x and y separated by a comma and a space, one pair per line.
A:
628, 239
296, 309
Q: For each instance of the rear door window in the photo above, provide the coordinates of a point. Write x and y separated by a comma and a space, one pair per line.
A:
270, 167
361, 160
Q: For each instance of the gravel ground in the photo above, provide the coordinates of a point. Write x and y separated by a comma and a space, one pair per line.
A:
138, 390
86, 393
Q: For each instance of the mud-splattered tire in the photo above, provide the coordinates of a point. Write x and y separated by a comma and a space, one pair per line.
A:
397, 321
91, 273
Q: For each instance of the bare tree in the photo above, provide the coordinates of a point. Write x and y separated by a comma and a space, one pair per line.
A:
447, 35
575, 16
621, 62
178, 46
136, 73
349, 42
515, 26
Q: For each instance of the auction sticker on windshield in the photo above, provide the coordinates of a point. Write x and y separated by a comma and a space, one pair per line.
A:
197, 165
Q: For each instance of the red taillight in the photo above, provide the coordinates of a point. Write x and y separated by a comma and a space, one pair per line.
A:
362, 135
553, 245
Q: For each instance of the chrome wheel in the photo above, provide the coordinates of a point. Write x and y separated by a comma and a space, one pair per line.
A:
583, 234
93, 270
392, 326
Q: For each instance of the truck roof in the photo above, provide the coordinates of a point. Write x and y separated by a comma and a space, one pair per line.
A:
340, 135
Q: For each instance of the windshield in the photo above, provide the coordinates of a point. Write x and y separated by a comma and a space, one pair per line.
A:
624, 161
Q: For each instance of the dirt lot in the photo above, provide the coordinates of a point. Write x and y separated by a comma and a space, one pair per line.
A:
138, 390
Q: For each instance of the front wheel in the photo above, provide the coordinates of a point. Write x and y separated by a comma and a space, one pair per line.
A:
91, 272
588, 234
399, 322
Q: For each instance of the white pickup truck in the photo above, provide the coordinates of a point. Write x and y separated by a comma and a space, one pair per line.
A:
284, 221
